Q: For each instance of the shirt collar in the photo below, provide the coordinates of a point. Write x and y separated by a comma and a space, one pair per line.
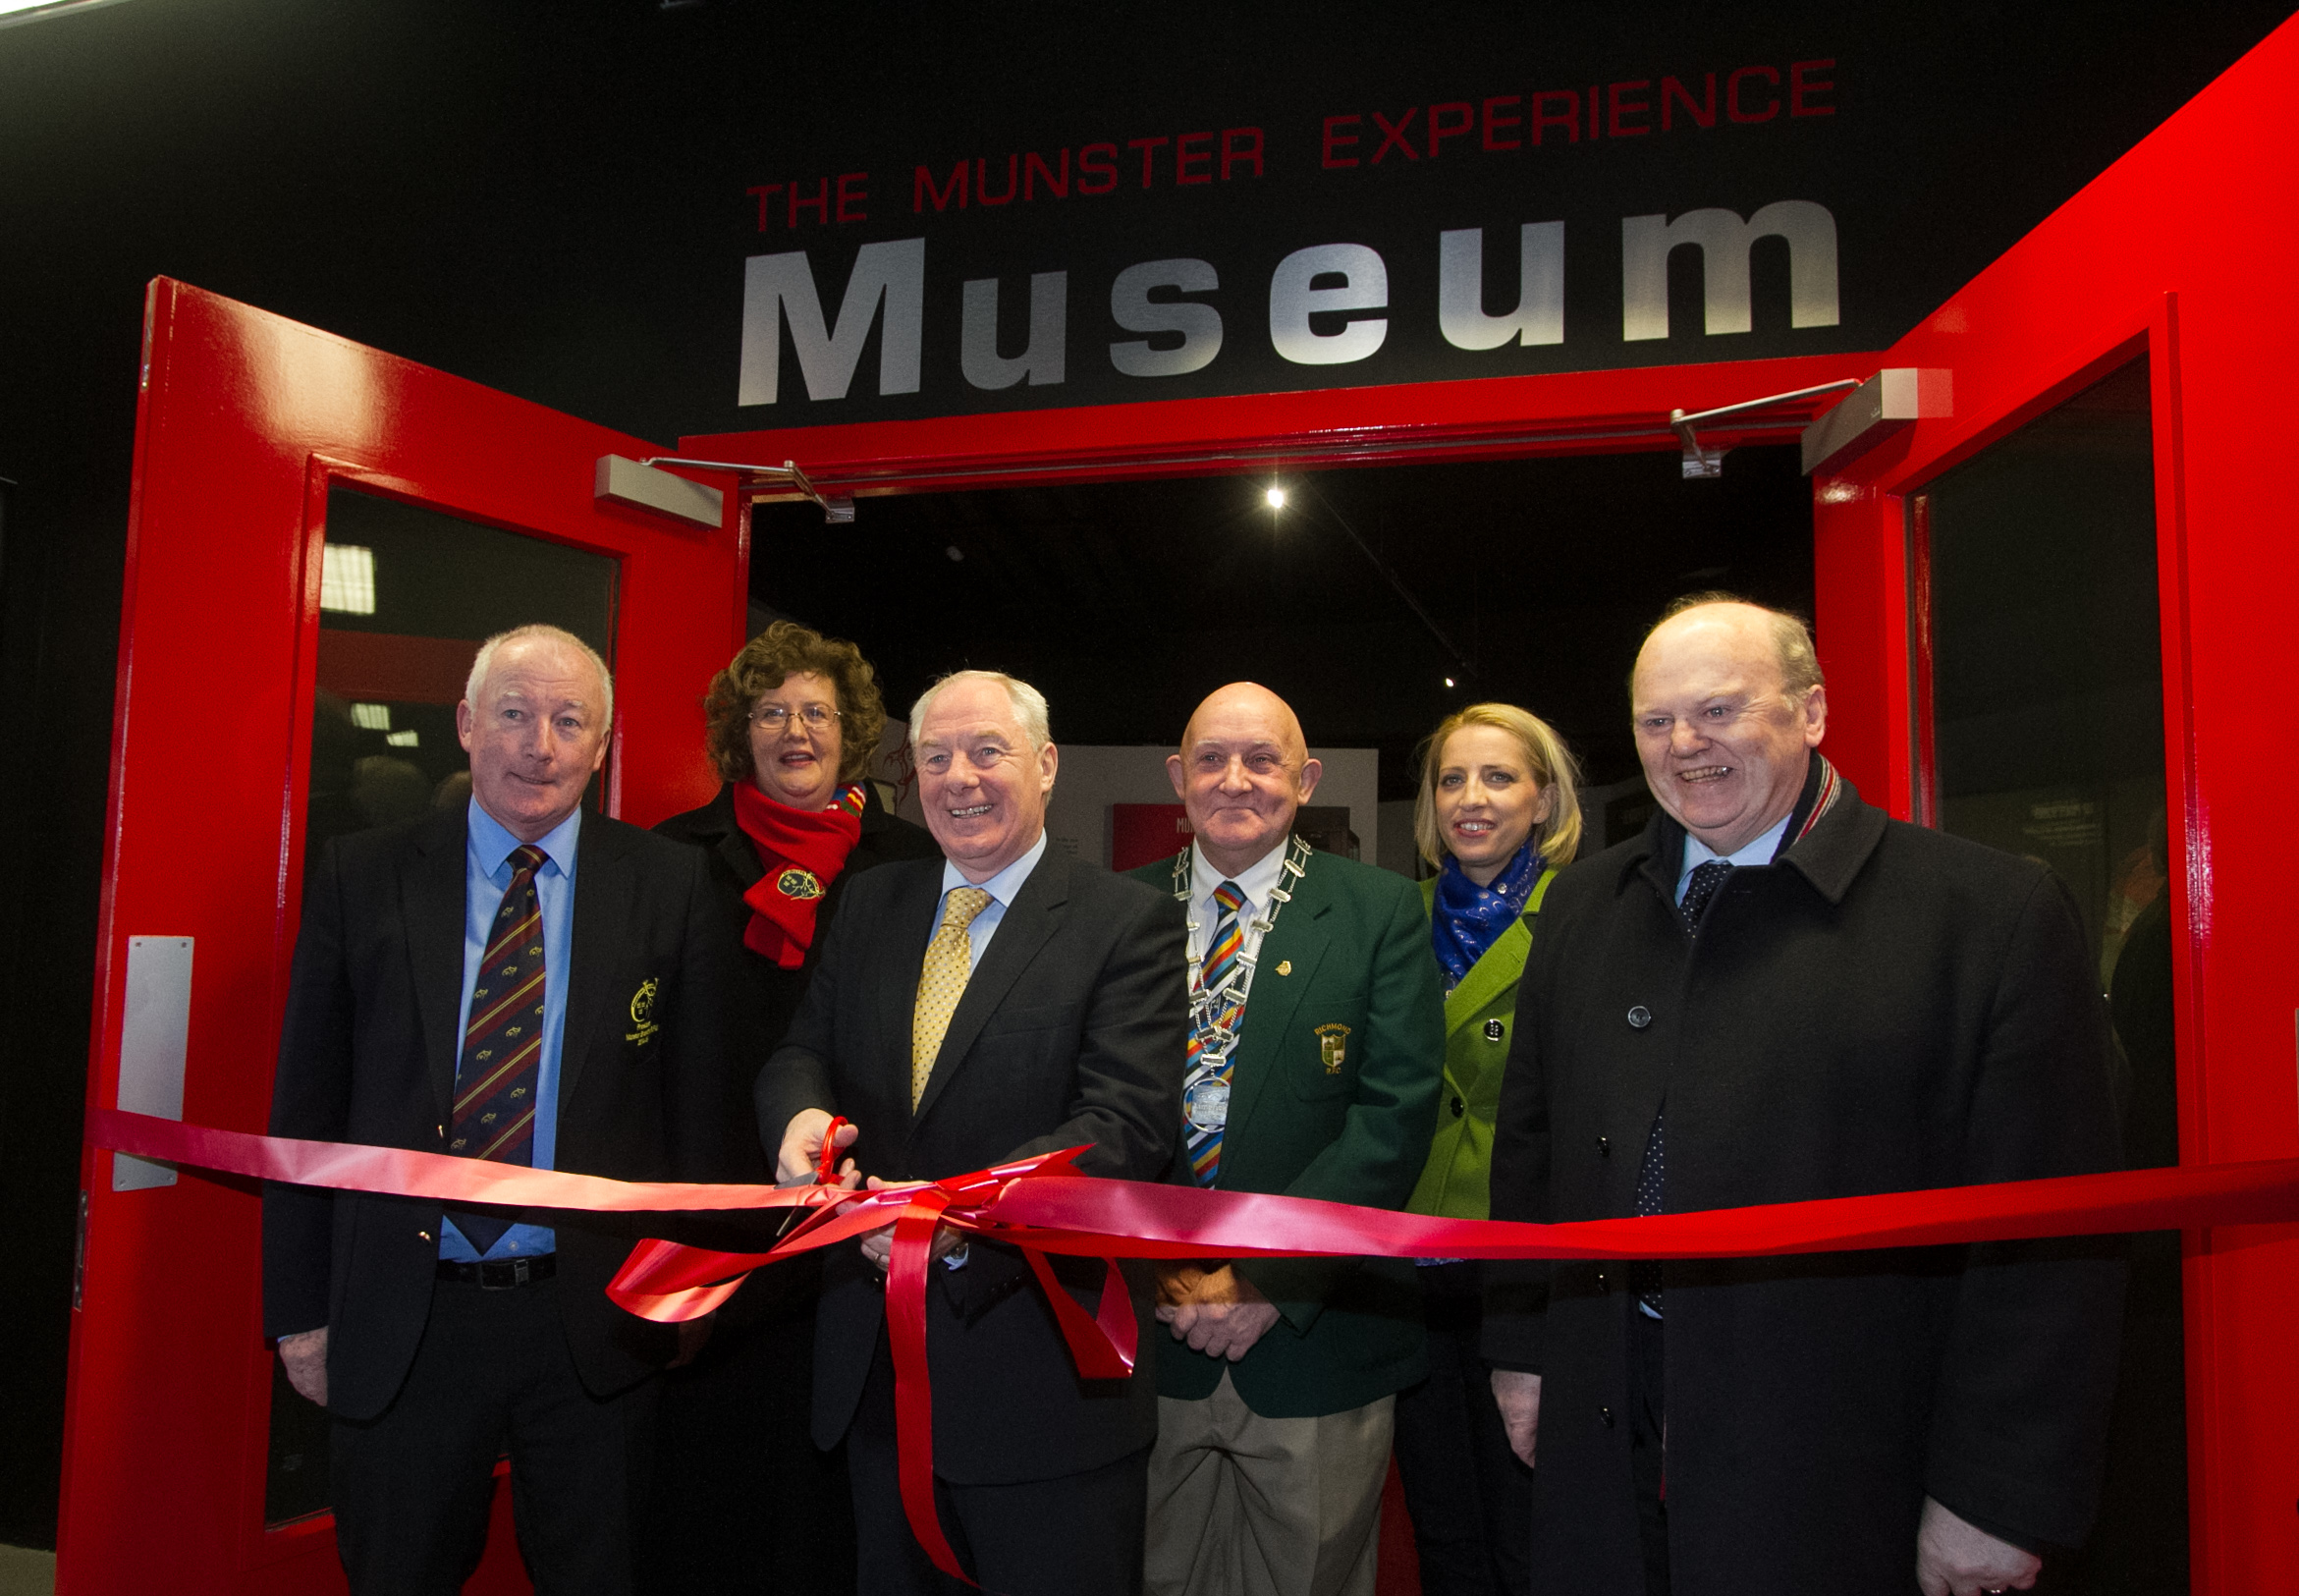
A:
1007, 882
1757, 851
1256, 881
491, 845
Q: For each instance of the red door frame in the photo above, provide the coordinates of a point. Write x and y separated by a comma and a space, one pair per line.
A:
244, 422
2180, 249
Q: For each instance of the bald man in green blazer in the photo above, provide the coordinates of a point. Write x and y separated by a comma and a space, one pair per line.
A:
1317, 1047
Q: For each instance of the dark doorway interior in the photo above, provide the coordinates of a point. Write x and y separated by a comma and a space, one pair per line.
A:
1125, 603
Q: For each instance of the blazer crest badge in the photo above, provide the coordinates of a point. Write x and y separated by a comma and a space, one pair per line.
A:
643, 1013
1332, 1047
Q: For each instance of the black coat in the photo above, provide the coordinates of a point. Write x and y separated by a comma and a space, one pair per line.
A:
1071, 1032
1886, 1009
368, 1053
763, 997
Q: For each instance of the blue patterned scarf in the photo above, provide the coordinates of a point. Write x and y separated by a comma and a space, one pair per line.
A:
1469, 919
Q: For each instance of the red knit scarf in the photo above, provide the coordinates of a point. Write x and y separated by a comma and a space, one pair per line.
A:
803, 850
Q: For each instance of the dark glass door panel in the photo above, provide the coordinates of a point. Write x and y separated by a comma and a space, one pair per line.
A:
2038, 560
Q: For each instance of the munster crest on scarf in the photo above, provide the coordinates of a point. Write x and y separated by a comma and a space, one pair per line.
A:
800, 853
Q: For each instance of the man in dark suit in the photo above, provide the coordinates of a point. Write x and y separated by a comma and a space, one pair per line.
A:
509, 979
1002, 1002
1317, 1052
1777, 994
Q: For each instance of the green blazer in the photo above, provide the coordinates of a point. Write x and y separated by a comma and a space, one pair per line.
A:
1480, 1015
1348, 956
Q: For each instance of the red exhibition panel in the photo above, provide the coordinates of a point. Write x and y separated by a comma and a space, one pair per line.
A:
245, 422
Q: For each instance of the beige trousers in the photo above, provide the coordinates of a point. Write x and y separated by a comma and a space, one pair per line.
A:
1245, 1506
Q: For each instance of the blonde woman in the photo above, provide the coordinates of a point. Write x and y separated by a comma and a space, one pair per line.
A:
1497, 817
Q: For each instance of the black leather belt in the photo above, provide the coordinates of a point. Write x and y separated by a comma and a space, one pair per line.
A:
502, 1274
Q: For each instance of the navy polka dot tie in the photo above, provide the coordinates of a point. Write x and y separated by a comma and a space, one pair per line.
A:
1706, 879
1651, 1176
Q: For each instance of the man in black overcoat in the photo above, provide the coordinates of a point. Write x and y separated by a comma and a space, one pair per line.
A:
1000, 1002
1777, 993
509, 979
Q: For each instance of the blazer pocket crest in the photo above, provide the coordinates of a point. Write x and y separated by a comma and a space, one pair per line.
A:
644, 1028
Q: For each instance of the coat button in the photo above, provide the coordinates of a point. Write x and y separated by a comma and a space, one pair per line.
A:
1458, 1107
1604, 1148
1600, 1280
1606, 1414
1640, 1016
1493, 1030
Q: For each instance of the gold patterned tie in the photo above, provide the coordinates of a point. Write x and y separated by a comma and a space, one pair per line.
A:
950, 959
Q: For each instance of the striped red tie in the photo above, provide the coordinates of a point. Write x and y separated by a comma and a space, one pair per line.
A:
503, 1044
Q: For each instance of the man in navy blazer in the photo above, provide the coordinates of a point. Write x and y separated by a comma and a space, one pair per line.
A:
1003, 1001
439, 1340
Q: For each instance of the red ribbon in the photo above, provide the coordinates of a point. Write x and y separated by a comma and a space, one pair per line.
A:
1044, 1205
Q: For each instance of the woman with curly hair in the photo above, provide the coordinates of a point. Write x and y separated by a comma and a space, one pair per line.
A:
792, 721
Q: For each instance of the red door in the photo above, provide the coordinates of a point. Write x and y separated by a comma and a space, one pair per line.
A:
319, 535
2158, 298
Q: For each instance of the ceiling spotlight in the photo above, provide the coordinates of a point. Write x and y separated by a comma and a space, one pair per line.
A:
1448, 681
1277, 498
957, 554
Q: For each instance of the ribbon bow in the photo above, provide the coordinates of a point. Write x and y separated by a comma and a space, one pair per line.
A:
670, 1280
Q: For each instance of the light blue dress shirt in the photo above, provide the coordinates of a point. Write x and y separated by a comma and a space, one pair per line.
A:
487, 875
1001, 887
1758, 851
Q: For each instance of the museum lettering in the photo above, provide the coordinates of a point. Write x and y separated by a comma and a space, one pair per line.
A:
1324, 305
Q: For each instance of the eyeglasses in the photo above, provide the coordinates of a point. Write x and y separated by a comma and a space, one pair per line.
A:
773, 717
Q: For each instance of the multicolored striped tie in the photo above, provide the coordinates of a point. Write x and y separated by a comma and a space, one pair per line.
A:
503, 1045
1218, 966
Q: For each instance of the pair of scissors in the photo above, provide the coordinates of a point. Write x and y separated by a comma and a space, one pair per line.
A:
826, 1172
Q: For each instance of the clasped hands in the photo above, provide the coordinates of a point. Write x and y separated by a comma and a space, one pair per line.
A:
1218, 1311
800, 1156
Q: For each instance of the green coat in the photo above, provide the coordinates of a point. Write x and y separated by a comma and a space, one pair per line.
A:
1352, 947
1454, 1182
